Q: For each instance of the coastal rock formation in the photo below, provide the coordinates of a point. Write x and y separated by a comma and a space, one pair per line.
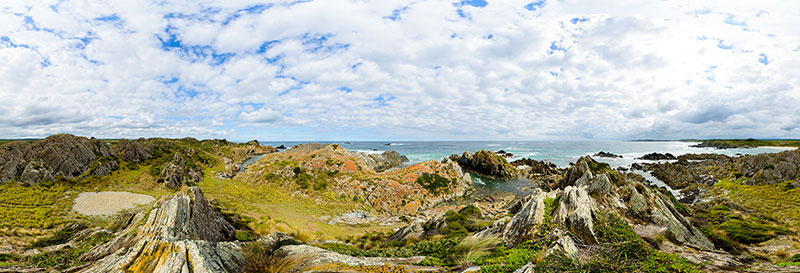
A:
138, 150
769, 169
56, 156
183, 233
527, 220
676, 176
607, 155
658, 156
384, 161
486, 163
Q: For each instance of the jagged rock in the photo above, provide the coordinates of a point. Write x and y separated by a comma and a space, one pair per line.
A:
188, 216
527, 268
600, 185
638, 204
703, 157
311, 257
526, 221
62, 155
607, 155
766, 169
139, 150
575, 212
678, 228
487, 164
384, 161
178, 171
658, 156
414, 231
566, 245
183, 233
537, 167
579, 171
675, 175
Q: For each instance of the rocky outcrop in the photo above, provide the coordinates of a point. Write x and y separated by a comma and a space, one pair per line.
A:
138, 150
703, 157
676, 176
183, 233
575, 213
525, 223
180, 171
486, 163
537, 167
658, 156
607, 155
56, 156
384, 161
770, 169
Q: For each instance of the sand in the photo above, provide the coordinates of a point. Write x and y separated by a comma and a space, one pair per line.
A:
108, 202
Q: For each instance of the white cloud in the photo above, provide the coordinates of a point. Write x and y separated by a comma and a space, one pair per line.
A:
239, 69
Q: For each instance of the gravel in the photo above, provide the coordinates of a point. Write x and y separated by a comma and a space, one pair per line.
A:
108, 202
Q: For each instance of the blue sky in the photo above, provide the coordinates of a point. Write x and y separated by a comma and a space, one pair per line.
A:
400, 70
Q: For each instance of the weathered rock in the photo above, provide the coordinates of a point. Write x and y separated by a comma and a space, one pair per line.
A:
766, 169
139, 150
600, 185
575, 212
658, 156
675, 175
704, 157
183, 233
487, 164
384, 161
56, 156
414, 231
524, 225
180, 172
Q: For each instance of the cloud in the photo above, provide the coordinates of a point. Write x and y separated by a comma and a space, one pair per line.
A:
400, 69
261, 116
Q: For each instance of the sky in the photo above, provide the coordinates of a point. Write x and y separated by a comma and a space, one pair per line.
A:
400, 70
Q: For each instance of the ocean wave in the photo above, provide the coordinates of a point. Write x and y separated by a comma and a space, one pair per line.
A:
492, 145
369, 152
477, 180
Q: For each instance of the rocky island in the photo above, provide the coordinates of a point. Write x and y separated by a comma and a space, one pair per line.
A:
324, 208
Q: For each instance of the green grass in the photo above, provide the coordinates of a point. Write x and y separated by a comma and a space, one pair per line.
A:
33, 207
766, 201
68, 257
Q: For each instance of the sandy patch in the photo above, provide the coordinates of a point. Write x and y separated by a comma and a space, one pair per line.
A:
108, 202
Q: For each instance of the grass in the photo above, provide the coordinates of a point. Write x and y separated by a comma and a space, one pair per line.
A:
766, 201
259, 258
68, 257
33, 207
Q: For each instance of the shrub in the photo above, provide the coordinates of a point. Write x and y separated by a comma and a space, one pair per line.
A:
259, 258
434, 183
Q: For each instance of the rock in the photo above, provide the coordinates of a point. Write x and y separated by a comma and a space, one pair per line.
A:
638, 204
487, 164
705, 156
504, 154
414, 231
384, 161
537, 167
318, 258
62, 155
180, 172
281, 147
527, 268
675, 175
607, 155
765, 169
600, 185
525, 223
566, 245
139, 150
575, 212
188, 216
658, 156
679, 229
183, 233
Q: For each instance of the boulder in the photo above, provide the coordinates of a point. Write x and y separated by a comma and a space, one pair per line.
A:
675, 175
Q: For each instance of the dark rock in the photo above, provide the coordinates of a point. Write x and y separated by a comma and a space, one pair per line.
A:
537, 167
56, 156
703, 157
658, 156
607, 155
675, 175
282, 147
487, 164
180, 171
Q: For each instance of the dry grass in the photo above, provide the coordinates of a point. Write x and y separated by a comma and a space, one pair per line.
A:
473, 248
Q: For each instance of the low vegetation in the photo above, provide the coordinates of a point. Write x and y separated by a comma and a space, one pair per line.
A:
748, 143
435, 183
